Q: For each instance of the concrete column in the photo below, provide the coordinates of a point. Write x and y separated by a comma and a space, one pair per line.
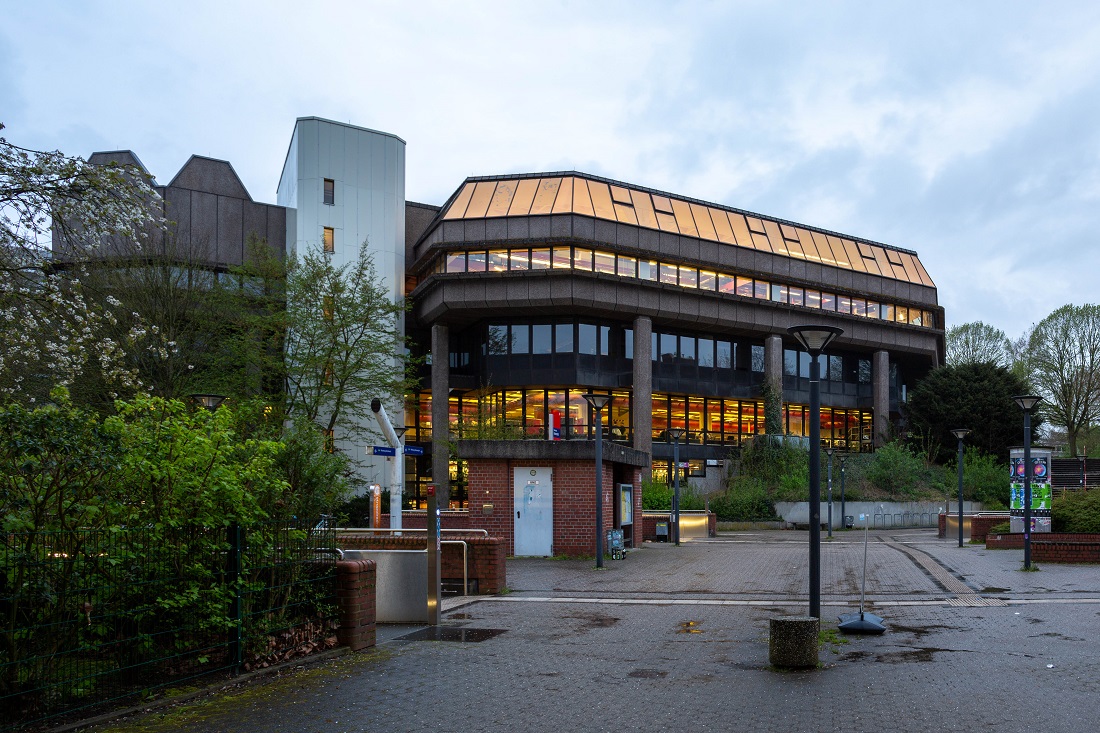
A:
643, 390
773, 365
441, 424
880, 392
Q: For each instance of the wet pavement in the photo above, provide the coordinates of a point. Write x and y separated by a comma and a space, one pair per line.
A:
677, 638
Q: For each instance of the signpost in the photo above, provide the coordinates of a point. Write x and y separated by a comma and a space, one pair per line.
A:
383, 450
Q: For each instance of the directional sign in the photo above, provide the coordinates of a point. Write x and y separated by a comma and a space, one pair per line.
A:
414, 450
383, 450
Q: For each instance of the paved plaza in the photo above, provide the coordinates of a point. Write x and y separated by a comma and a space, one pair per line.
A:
676, 639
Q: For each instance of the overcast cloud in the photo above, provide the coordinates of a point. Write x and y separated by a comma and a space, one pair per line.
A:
965, 131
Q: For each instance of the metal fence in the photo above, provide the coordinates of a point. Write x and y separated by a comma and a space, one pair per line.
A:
92, 619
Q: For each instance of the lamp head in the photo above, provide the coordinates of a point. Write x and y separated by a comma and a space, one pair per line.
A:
596, 401
676, 433
960, 433
209, 401
1027, 402
814, 339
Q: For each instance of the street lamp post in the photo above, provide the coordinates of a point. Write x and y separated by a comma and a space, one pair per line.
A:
843, 516
829, 483
597, 402
960, 434
1027, 403
814, 339
676, 434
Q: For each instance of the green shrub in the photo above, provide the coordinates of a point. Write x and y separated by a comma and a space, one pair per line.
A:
897, 471
1002, 528
984, 479
1077, 512
656, 496
745, 500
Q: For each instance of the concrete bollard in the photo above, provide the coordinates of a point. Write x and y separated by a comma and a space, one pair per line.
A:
793, 642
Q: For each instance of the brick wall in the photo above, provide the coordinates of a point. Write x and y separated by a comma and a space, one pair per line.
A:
484, 558
492, 502
979, 526
355, 586
1082, 548
1052, 547
649, 526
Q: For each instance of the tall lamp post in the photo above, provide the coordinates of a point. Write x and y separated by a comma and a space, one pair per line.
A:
597, 402
676, 434
1027, 403
829, 483
960, 434
843, 516
814, 339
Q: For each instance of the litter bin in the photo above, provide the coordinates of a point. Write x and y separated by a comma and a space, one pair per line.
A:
615, 544
662, 531
849, 521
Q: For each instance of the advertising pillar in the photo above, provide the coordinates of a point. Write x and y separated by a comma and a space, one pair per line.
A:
1040, 489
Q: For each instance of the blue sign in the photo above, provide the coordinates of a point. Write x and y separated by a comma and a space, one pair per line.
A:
414, 450
383, 450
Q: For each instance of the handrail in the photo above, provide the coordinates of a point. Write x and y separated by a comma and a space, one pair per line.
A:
465, 576
352, 530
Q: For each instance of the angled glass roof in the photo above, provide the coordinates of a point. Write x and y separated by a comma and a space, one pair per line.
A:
588, 196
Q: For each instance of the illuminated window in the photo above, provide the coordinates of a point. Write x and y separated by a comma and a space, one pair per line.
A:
328, 307
330, 440
689, 277
328, 239
327, 374
330, 192
456, 262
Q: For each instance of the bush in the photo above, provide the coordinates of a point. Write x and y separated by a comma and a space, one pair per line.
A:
1077, 512
746, 500
897, 471
1002, 528
984, 479
656, 496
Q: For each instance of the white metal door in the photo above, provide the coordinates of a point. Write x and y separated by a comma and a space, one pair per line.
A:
534, 511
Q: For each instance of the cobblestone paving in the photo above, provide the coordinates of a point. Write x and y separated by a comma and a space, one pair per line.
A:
677, 638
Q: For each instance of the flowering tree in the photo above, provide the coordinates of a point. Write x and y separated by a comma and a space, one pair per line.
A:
50, 329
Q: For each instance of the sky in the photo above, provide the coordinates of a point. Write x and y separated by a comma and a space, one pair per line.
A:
966, 131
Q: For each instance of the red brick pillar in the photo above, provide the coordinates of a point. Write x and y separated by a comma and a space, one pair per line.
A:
355, 595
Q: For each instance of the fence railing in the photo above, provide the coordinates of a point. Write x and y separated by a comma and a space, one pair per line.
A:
90, 619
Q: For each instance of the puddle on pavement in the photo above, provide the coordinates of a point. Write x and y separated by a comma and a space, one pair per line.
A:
648, 674
919, 631
994, 589
462, 616
446, 633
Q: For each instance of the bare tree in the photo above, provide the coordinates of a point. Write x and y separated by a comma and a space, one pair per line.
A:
1065, 356
977, 343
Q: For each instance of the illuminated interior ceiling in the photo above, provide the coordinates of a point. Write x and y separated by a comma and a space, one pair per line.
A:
576, 194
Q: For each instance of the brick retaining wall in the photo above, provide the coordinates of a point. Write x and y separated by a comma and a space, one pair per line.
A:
649, 526
484, 561
355, 586
1052, 547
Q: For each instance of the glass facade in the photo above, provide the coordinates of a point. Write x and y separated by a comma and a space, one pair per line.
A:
669, 273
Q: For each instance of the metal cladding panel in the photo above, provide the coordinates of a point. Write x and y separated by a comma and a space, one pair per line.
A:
231, 234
